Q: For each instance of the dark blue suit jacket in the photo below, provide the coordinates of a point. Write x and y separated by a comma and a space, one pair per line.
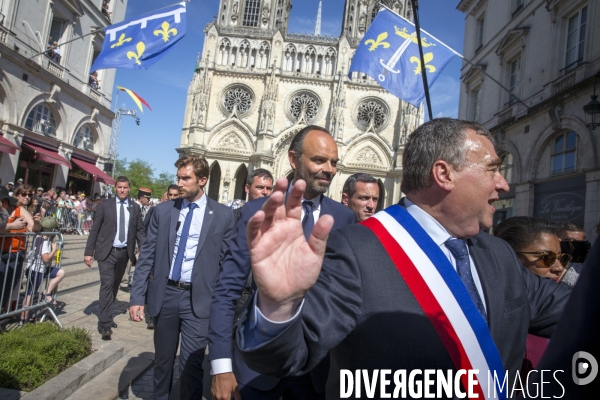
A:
232, 278
153, 267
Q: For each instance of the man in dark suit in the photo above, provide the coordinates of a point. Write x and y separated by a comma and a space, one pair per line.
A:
117, 226
172, 194
313, 156
343, 294
178, 267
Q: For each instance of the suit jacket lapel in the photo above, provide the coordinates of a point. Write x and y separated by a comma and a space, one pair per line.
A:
208, 217
112, 209
130, 208
487, 269
325, 209
172, 225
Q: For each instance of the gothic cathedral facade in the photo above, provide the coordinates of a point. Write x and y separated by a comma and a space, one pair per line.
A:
256, 86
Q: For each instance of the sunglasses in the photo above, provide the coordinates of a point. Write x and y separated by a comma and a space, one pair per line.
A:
26, 194
550, 257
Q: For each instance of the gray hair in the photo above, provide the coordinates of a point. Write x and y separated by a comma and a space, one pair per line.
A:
297, 144
439, 139
350, 184
260, 172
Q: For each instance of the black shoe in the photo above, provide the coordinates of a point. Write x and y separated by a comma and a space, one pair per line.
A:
114, 325
106, 334
150, 325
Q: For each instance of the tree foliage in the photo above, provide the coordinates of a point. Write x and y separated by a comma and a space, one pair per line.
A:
141, 174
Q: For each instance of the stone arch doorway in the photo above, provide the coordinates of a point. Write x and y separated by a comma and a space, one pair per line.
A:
214, 181
240, 182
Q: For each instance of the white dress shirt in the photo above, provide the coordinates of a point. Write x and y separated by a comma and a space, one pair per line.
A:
264, 329
193, 237
117, 242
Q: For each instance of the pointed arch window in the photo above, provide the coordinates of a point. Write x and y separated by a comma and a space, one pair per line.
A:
251, 12
41, 120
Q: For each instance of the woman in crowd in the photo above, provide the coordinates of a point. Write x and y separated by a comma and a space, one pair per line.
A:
536, 242
13, 248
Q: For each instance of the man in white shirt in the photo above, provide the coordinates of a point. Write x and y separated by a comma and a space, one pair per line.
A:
179, 263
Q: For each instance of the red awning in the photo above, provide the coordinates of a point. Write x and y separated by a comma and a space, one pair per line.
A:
99, 175
7, 146
48, 156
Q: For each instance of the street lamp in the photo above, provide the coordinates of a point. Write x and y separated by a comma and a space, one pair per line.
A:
592, 109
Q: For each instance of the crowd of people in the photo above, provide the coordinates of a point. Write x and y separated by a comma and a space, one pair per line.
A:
288, 287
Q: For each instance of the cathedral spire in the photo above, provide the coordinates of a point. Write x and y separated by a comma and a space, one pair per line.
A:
318, 23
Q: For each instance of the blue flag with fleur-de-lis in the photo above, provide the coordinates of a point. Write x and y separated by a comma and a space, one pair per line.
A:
389, 53
141, 41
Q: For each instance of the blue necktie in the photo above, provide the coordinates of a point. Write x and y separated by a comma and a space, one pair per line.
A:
308, 223
176, 274
459, 250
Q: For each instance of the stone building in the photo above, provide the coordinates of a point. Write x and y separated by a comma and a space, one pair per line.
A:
55, 126
256, 86
547, 53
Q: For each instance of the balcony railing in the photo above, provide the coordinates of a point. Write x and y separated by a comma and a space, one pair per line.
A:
95, 94
505, 115
55, 69
564, 82
3, 34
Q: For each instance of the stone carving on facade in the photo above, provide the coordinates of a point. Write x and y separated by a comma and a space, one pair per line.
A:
231, 141
337, 108
200, 95
368, 156
234, 12
266, 11
404, 135
269, 100
555, 114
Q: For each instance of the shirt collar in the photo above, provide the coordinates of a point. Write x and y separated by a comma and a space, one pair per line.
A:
316, 201
434, 229
200, 202
119, 201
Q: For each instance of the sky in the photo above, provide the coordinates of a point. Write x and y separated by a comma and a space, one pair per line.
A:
164, 85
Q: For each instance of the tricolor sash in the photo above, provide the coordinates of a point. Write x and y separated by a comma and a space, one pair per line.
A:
441, 293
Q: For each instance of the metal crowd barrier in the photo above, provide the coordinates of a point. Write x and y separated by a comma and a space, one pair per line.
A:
72, 221
21, 277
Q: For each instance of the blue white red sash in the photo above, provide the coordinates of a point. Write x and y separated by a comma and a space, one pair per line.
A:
442, 295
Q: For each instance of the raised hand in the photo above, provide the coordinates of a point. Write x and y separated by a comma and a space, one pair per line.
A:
284, 264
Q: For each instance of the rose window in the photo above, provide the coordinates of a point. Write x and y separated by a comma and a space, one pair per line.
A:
238, 98
304, 105
371, 112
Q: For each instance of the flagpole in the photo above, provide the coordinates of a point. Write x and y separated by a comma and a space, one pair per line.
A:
68, 41
415, 7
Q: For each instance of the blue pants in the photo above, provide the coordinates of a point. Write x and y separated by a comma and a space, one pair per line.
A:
175, 318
